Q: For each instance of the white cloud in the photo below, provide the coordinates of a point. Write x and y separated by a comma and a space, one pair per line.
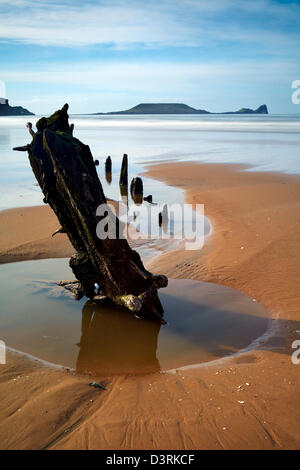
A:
136, 24
108, 86
148, 24
134, 74
86, 24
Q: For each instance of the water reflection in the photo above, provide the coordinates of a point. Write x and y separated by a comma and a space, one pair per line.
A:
4, 138
205, 321
108, 175
114, 342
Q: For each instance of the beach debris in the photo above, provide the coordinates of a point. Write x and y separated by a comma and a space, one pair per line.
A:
241, 402
96, 385
148, 198
136, 190
124, 171
123, 182
65, 170
18, 377
241, 388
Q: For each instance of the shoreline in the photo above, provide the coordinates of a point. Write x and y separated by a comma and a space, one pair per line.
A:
270, 330
203, 407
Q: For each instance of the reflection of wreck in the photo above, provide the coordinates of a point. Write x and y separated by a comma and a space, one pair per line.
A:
114, 342
7, 110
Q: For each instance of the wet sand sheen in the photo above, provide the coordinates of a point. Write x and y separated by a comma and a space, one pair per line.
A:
204, 322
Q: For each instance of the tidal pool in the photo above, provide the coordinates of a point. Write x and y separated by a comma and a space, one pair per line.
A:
204, 322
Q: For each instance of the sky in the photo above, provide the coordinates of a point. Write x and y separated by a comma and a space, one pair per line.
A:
100, 55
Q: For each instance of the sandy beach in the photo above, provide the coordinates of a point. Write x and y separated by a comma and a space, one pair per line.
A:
247, 401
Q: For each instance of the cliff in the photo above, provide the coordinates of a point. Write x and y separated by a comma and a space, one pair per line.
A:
180, 108
260, 110
7, 110
161, 108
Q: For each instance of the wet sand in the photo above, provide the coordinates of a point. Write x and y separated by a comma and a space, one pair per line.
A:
248, 401
25, 234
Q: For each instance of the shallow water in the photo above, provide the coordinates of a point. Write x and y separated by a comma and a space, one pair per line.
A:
204, 322
268, 142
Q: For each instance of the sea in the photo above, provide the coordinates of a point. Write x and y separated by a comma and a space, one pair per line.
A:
262, 142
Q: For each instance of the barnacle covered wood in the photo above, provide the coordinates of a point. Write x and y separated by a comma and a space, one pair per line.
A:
66, 173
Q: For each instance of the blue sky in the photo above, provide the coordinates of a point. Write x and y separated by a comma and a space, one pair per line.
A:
103, 55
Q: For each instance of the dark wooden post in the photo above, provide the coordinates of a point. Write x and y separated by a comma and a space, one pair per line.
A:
108, 175
124, 171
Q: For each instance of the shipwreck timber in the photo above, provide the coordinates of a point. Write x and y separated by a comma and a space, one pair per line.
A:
65, 170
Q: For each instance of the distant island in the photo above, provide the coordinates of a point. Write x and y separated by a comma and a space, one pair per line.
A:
7, 110
180, 108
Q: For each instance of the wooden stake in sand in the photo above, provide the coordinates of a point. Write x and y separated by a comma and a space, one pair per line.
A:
65, 170
108, 175
124, 171
136, 190
108, 165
